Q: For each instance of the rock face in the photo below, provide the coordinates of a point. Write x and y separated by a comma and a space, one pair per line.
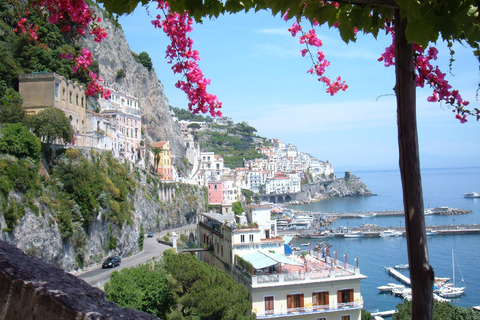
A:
349, 186
113, 54
33, 289
156, 206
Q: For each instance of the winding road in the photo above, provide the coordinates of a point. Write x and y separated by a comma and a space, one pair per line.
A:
151, 249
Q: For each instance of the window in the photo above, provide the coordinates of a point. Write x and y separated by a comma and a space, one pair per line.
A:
345, 297
295, 302
346, 317
242, 238
251, 237
321, 318
83, 106
63, 93
269, 306
70, 97
57, 86
320, 300
76, 99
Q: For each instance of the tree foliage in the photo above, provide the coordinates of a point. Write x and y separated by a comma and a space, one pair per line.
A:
237, 207
204, 291
17, 141
144, 59
441, 311
51, 124
11, 110
183, 114
143, 288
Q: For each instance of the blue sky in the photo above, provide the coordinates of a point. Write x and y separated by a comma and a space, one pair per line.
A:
258, 73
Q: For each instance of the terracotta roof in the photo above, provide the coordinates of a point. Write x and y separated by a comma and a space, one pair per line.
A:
159, 144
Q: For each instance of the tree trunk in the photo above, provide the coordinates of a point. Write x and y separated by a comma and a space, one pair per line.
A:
421, 273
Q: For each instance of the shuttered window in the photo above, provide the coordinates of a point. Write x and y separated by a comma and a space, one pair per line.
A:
345, 296
295, 302
320, 300
269, 308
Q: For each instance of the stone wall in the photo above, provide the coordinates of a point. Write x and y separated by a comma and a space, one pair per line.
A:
33, 289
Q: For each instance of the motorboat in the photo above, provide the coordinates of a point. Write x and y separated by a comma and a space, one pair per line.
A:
322, 235
367, 215
428, 211
402, 266
431, 232
472, 194
391, 233
450, 292
353, 234
390, 287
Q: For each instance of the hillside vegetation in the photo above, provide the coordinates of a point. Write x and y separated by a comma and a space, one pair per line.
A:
235, 143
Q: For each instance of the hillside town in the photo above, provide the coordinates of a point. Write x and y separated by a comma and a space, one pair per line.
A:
116, 126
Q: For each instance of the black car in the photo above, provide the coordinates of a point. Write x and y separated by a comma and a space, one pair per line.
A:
111, 262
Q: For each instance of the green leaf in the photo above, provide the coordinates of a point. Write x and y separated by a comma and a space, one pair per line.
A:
420, 32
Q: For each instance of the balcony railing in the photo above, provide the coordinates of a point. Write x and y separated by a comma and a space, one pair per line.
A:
320, 309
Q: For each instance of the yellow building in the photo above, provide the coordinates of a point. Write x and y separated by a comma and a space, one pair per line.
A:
48, 89
317, 287
162, 157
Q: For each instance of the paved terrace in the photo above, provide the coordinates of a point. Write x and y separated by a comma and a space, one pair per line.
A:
299, 270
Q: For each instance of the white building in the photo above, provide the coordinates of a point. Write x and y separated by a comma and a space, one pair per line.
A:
280, 287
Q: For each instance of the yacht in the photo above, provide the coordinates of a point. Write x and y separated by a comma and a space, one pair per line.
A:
472, 195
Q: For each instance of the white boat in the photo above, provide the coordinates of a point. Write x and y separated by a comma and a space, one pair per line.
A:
449, 290
431, 232
391, 233
390, 287
367, 215
472, 194
402, 266
428, 211
322, 235
353, 234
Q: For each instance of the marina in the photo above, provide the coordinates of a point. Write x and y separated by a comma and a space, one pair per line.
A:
442, 188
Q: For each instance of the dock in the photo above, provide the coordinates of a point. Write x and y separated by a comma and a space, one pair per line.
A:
397, 275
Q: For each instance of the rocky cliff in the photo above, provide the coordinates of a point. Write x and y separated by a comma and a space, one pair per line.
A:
349, 186
113, 54
39, 231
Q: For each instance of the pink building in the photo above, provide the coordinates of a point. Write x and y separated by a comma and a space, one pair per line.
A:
216, 192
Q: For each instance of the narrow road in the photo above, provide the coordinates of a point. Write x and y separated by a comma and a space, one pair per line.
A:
151, 249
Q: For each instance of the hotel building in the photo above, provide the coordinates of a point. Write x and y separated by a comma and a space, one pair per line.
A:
281, 285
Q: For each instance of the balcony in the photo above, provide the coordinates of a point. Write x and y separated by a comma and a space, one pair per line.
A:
308, 310
313, 270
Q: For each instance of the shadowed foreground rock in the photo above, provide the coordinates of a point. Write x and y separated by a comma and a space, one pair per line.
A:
33, 289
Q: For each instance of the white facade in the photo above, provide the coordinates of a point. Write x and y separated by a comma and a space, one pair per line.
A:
280, 287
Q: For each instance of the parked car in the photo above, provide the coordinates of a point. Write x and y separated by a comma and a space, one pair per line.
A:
150, 235
111, 262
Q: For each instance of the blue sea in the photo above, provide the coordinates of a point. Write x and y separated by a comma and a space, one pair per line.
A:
441, 188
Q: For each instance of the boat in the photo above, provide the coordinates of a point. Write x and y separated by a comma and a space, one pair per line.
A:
428, 211
353, 234
431, 232
472, 194
449, 290
391, 233
367, 215
305, 244
322, 235
402, 266
391, 286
